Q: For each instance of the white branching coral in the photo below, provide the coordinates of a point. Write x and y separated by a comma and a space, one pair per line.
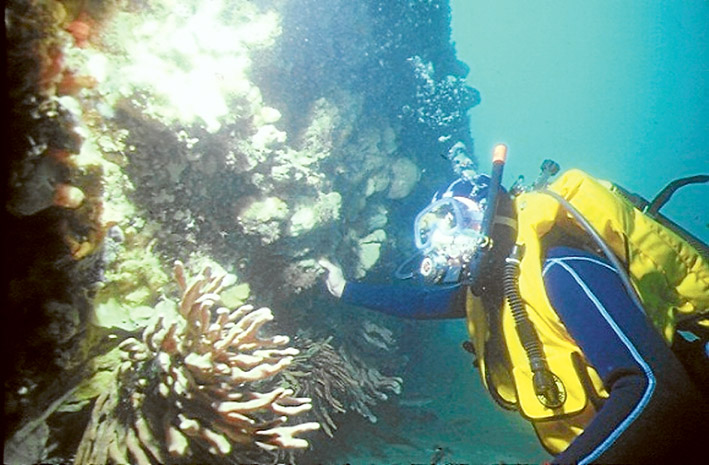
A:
205, 384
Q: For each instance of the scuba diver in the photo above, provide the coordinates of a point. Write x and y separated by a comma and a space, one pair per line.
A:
585, 314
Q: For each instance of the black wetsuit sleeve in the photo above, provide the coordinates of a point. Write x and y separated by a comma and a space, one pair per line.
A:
417, 302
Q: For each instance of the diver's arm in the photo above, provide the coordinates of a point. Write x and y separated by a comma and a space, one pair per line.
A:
417, 302
653, 411
431, 302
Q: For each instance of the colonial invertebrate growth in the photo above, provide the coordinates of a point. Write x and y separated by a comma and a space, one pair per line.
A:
202, 384
337, 382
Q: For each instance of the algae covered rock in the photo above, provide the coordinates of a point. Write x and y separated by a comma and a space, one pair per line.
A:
369, 251
405, 176
324, 209
258, 136
262, 218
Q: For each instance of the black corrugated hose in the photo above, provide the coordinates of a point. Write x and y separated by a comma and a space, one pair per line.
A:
545, 382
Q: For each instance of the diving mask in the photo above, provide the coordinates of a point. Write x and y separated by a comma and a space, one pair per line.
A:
448, 232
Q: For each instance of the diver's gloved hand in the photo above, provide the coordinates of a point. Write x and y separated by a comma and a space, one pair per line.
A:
335, 279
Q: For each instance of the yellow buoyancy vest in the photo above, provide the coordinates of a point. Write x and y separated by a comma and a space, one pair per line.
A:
671, 277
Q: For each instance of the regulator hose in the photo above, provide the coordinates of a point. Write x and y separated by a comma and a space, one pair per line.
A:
546, 383
400, 272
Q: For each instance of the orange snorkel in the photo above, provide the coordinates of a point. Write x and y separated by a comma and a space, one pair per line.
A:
499, 154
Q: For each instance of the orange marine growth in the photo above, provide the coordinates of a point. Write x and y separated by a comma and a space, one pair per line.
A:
80, 29
72, 84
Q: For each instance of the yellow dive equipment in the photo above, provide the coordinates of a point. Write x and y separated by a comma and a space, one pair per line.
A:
665, 275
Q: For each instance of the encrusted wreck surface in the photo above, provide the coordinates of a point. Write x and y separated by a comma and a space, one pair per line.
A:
251, 137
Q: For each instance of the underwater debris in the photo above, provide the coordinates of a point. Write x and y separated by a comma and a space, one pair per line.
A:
200, 385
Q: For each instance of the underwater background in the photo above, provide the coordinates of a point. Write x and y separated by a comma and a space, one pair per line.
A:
618, 89
176, 169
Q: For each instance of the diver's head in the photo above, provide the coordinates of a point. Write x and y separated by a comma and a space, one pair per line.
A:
448, 231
